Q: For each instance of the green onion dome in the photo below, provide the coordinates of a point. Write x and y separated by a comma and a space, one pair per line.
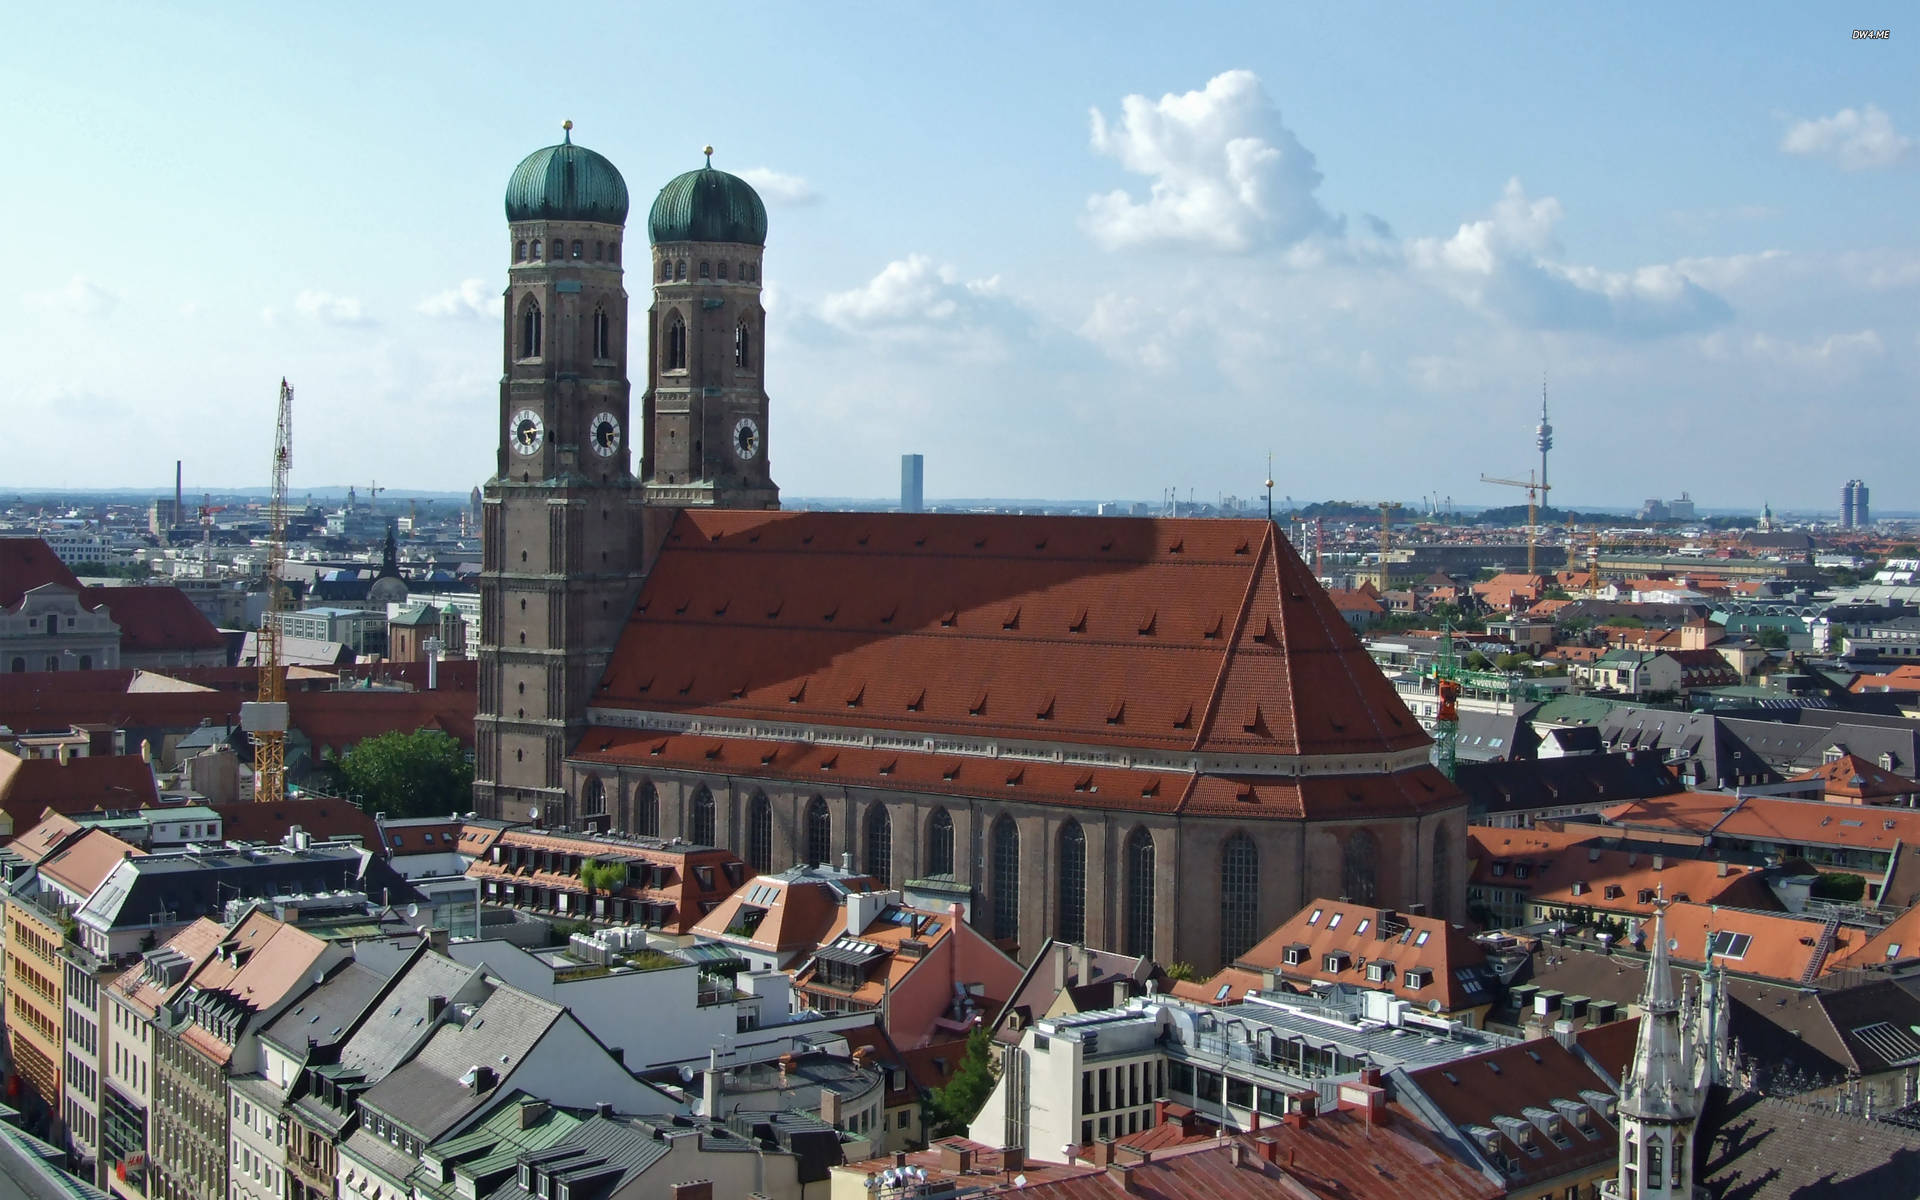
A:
567, 183
706, 205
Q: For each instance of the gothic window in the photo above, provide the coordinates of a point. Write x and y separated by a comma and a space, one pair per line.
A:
742, 346
530, 330
519, 252
536, 249
593, 798
723, 272
676, 344
700, 817
940, 843
1679, 1156
680, 269
1655, 1165
759, 834
613, 252
1239, 897
602, 334
1005, 849
1140, 885
819, 832
1442, 871
1358, 882
880, 845
706, 270
666, 271
646, 814
576, 249
599, 251
1073, 884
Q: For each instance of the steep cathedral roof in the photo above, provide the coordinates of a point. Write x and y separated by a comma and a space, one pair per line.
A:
1173, 636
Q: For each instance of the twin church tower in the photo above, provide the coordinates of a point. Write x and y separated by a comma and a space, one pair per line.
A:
570, 527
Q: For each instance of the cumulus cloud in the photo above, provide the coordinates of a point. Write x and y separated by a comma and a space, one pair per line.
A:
1854, 139
778, 187
909, 292
1507, 265
330, 309
78, 295
470, 299
1224, 172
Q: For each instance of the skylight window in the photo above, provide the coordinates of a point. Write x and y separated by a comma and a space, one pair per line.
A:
1362, 927
1313, 918
1421, 939
1333, 922
1728, 944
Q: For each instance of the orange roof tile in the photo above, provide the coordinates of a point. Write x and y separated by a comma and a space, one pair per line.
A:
1772, 819
156, 619
1366, 938
82, 866
1857, 779
799, 913
30, 786
1178, 634
257, 963
196, 941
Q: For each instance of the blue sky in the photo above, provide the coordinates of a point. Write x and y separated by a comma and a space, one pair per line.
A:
1064, 250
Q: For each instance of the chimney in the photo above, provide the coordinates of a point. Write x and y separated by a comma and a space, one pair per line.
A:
1236, 1154
956, 1159
1659, 862
699, 1189
1268, 1147
531, 1110
1121, 1176
1159, 1113
603, 1108
1082, 963
1012, 1158
1100, 1153
1723, 868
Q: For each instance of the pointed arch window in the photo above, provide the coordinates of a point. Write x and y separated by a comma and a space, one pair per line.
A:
1005, 848
743, 346
1140, 885
879, 861
602, 334
1656, 1164
759, 834
675, 358
680, 269
940, 843
576, 249
593, 798
723, 272
1359, 868
666, 270
530, 329
520, 251
1073, 884
1239, 897
819, 832
706, 270
536, 250
646, 811
700, 822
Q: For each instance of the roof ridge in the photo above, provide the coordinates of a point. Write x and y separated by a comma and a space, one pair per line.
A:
1204, 728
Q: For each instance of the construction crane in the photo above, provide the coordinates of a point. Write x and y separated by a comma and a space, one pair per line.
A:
1446, 721
1536, 497
265, 719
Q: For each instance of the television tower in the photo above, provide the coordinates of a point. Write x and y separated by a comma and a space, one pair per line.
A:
1543, 435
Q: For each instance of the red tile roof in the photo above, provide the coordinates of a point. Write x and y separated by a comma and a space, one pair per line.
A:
798, 912
156, 619
1482, 1089
322, 817
83, 866
257, 963
1366, 935
27, 563
1857, 779
1177, 634
1772, 819
30, 786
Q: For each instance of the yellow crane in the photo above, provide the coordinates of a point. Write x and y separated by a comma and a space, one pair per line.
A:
1536, 496
265, 718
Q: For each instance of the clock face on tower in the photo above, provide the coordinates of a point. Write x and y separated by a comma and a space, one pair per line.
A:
746, 438
525, 431
606, 434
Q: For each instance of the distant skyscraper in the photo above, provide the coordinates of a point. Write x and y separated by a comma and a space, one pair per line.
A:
913, 483
1854, 513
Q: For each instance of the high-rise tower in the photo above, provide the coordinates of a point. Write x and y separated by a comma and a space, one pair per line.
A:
706, 399
561, 530
1543, 436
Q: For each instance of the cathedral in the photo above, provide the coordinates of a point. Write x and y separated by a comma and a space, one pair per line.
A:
1152, 735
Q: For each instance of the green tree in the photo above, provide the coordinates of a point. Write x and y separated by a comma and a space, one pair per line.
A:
1772, 639
1180, 971
424, 773
597, 876
954, 1106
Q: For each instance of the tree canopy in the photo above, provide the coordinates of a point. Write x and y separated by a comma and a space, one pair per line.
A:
954, 1106
424, 773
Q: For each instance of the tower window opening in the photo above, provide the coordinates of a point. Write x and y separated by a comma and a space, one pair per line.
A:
536, 249
676, 344
706, 271
666, 271
742, 346
576, 248
723, 272
613, 251
599, 251
602, 330
520, 251
530, 329
680, 269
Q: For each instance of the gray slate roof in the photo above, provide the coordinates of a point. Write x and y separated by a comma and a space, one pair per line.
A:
427, 1097
1750, 1148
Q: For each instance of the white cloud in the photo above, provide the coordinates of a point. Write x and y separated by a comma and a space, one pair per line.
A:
1224, 172
330, 309
912, 293
470, 299
1507, 265
1835, 350
1855, 139
778, 187
78, 295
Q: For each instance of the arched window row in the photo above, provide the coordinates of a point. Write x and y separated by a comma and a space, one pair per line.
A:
940, 844
700, 818
530, 329
1239, 897
819, 825
672, 269
1004, 867
593, 798
673, 345
1072, 877
534, 251
646, 811
602, 334
759, 834
1360, 867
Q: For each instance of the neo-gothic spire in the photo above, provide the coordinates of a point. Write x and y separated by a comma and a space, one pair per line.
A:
1660, 1086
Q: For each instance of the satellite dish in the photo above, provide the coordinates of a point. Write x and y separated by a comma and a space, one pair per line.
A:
1019, 1181
686, 1074
1433, 1005
533, 814
413, 910
1673, 943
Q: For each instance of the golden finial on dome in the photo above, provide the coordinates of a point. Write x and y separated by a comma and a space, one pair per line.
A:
567, 127
708, 151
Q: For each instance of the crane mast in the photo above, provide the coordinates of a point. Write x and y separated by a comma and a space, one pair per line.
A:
1536, 495
266, 719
